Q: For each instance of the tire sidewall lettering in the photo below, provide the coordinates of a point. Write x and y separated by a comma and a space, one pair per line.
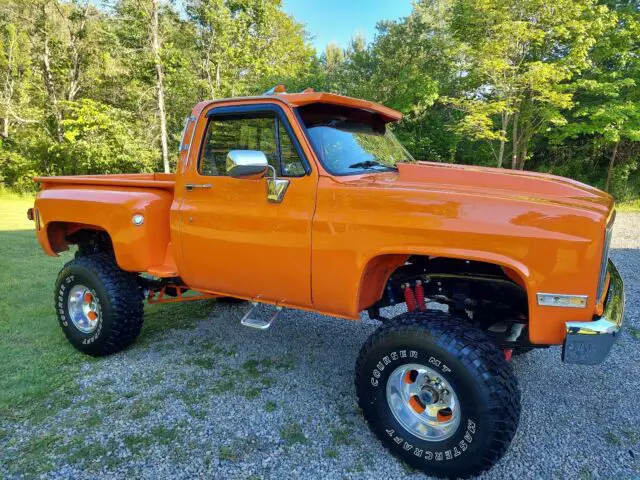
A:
63, 313
381, 367
395, 355
438, 456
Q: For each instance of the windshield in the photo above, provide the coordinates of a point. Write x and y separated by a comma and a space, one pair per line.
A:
347, 147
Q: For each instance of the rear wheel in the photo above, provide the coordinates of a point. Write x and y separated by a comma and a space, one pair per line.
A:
438, 394
99, 306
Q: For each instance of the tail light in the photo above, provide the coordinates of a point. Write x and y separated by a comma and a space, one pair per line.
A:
34, 214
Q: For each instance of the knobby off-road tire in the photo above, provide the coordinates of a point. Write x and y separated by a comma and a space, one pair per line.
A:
112, 319
462, 358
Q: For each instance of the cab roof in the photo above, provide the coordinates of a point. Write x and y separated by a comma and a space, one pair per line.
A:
307, 98
310, 97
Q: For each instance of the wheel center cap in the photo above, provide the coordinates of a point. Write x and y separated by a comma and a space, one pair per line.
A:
429, 395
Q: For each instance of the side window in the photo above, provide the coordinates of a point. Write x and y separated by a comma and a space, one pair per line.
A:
226, 134
291, 163
248, 133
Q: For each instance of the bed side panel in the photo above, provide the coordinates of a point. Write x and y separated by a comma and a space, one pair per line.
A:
111, 209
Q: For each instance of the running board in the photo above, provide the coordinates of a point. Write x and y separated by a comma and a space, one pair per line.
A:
259, 323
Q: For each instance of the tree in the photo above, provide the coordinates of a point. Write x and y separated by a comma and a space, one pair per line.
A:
162, 114
243, 43
608, 102
520, 57
15, 74
91, 86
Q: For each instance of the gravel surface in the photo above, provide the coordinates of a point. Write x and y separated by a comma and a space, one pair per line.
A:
225, 401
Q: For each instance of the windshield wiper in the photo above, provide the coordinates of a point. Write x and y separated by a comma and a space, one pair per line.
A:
369, 164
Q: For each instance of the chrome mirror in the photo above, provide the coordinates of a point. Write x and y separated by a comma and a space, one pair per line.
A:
254, 164
246, 164
276, 188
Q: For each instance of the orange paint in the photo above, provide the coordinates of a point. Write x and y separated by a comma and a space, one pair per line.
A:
332, 243
416, 405
444, 415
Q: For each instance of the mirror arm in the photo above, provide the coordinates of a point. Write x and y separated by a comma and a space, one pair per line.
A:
273, 171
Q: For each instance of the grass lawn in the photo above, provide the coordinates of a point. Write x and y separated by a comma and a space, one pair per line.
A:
630, 206
39, 367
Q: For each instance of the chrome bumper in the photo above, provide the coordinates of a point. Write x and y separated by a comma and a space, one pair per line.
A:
588, 343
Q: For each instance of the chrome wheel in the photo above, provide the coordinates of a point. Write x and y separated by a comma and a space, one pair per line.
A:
423, 402
84, 308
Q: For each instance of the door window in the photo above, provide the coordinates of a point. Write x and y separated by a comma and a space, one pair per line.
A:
258, 132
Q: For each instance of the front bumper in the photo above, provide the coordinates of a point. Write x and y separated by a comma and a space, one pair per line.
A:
588, 343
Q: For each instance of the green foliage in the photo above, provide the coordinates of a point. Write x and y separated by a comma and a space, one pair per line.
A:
78, 92
100, 139
550, 86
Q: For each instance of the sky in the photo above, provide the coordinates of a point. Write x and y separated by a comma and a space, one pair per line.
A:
339, 20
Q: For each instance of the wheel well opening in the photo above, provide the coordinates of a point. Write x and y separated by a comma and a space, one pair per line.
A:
488, 295
89, 238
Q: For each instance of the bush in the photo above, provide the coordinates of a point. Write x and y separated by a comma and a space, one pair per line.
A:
97, 139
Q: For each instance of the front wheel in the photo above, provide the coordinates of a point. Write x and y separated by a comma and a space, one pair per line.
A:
99, 306
438, 394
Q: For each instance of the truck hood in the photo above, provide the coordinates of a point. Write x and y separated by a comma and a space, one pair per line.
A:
496, 182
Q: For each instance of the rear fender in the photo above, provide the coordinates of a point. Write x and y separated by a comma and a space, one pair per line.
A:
64, 210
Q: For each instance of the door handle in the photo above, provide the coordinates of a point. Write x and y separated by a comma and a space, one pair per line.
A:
189, 187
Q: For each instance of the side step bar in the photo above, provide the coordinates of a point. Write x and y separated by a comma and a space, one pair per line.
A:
249, 320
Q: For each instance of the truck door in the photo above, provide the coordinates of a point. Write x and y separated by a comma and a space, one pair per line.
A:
234, 241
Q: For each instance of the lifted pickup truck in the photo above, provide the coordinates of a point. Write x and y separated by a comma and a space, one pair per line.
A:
308, 201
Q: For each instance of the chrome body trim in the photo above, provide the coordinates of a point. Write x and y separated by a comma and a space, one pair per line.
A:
605, 256
192, 119
276, 188
562, 300
589, 343
192, 186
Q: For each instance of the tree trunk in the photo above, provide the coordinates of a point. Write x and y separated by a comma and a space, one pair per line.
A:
76, 59
50, 85
523, 154
155, 47
514, 142
74, 73
503, 132
612, 162
8, 93
207, 66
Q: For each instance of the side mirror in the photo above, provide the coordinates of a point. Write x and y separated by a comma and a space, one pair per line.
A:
246, 164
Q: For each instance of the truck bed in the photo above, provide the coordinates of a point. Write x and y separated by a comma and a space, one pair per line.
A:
165, 181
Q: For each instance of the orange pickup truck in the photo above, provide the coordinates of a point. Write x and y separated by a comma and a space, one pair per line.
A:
308, 201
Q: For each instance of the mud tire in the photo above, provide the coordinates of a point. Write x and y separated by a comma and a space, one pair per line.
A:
473, 366
120, 299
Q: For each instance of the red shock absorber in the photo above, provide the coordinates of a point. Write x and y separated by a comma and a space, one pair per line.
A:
409, 297
420, 295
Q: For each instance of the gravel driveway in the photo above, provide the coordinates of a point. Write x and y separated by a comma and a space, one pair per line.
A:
220, 400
